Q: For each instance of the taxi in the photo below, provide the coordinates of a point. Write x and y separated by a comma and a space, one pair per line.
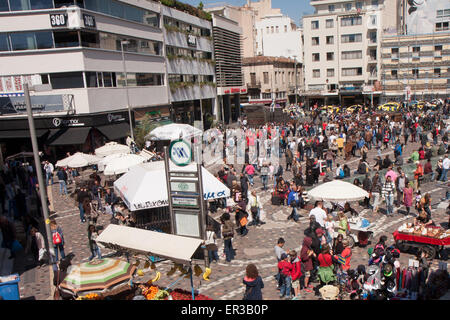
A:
390, 106
355, 107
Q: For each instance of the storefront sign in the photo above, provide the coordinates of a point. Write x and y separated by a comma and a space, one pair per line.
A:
150, 204
115, 118
10, 104
89, 21
191, 40
59, 122
58, 20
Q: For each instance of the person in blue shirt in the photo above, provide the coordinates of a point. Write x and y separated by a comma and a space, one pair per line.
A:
294, 202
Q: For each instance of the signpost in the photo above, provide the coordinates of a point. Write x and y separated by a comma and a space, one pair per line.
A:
185, 193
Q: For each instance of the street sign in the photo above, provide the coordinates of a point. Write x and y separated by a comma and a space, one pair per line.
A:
180, 152
181, 186
185, 202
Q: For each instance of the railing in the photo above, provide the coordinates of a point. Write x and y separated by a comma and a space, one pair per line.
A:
253, 85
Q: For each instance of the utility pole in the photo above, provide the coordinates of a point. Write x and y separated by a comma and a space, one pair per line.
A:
37, 163
200, 89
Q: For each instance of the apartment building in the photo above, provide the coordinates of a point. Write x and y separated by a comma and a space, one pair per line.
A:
416, 59
342, 42
82, 50
272, 79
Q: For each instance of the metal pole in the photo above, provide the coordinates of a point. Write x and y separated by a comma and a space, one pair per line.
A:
203, 213
126, 88
200, 89
37, 163
166, 165
296, 85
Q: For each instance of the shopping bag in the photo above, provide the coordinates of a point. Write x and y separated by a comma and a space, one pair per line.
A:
16, 246
243, 221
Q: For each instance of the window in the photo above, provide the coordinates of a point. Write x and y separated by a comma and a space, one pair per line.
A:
66, 39
373, 20
329, 23
373, 37
275, 77
437, 72
443, 13
416, 49
316, 73
415, 72
4, 42
316, 57
442, 26
330, 56
91, 79
266, 95
331, 8
66, 80
271, 29
348, 6
330, 72
4, 5
266, 77
351, 21
374, 4
314, 25
31, 40
347, 72
330, 39
394, 53
350, 55
394, 73
350, 38
438, 48
359, 5
276, 28
19, 5
267, 30
285, 29
315, 41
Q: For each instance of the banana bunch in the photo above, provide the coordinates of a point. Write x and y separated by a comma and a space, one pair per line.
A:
175, 267
207, 274
158, 276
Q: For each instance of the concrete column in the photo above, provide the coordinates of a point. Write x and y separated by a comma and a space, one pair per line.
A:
227, 109
237, 104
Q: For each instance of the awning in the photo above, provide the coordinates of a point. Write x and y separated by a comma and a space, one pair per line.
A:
115, 131
150, 243
21, 134
71, 136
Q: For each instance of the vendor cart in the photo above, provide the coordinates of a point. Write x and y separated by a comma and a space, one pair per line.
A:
432, 246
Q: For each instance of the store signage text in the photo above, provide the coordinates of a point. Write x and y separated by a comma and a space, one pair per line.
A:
58, 20
191, 40
89, 21
58, 122
115, 118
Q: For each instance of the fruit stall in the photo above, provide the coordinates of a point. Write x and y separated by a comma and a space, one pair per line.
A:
178, 249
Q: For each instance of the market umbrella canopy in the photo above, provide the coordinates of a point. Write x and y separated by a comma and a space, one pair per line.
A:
145, 186
122, 164
104, 161
112, 148
173, 132
78, 160
337, 191
101, 276
140, 241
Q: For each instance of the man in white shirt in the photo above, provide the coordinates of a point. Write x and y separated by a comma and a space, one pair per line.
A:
319, 213
445, 167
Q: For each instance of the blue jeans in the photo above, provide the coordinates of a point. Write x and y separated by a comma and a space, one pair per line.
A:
264, 181
389, 204
48, 176
229, 251
62, 187
80, 207
250, 178
286, 286
330, 164
443, 175
294, 214
59, 247
95, 251
212, 255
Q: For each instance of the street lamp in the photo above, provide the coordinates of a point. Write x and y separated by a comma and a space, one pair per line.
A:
37, 163
126, 42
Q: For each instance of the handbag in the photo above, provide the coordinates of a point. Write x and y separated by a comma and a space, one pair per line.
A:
243, 221
211, 247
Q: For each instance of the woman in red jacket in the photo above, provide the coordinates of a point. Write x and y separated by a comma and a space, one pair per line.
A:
296, 273
326, 266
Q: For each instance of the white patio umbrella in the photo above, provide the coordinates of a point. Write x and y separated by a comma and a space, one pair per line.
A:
112, 148
337, 191
173, 131
104, 161
122, 164
78, 160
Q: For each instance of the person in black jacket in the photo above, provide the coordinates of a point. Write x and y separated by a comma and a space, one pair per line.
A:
240, 214
82, 194
253, 283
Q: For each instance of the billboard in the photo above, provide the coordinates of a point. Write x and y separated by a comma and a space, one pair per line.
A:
15, 104
422, 15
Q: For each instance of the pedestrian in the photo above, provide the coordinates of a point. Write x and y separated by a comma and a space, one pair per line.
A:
253, 283
241, 220
408, 197
338, 245
36, 245
58, 239
265, 171
285, 268
326, 266
343, 226
376, 192
306, 257
82, 194
329, 228
48, 168
278, 252
388, 195
255, 207
445, 168
227, 235
93, 246
211, 244
62, 177
319, 213
296, 273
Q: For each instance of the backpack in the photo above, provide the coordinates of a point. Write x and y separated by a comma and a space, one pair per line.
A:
341, 173
57, 239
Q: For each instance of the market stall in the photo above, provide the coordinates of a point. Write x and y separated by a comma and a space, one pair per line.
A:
431, 239
178, 249
112, 148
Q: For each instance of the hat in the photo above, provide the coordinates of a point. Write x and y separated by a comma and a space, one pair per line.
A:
283, 256
417, 162
319, 231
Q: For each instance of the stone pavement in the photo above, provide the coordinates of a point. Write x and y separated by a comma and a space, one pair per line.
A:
256, 247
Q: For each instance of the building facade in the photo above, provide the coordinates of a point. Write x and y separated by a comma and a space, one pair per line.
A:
342, 42
272, 79
82, 50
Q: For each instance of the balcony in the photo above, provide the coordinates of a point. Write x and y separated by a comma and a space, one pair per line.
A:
372, 59
254, 85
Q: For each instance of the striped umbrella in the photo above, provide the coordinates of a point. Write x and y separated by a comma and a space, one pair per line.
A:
101, 276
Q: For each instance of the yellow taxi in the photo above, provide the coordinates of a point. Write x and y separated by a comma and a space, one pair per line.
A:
353, 108
390, 106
